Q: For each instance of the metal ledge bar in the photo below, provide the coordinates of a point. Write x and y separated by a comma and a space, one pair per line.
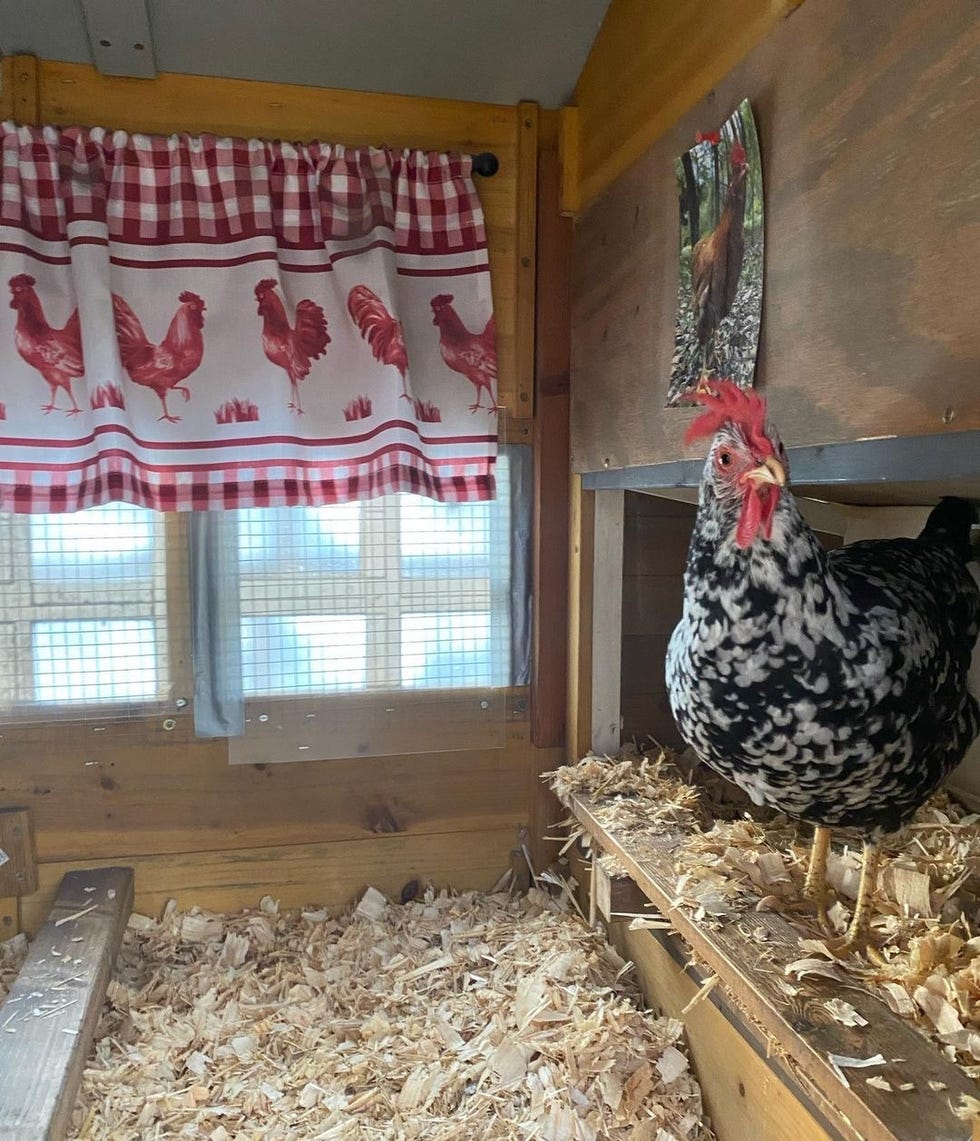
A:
892, 459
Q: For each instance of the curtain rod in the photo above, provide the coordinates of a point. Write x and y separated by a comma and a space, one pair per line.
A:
485, 163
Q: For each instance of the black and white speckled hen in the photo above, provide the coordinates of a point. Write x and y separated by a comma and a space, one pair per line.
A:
830, 685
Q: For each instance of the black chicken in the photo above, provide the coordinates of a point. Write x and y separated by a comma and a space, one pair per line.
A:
830, 685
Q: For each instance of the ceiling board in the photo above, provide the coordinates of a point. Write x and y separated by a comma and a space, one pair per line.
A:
491, 51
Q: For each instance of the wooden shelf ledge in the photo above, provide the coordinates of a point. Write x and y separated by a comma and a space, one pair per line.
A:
49, 1017
798, 1026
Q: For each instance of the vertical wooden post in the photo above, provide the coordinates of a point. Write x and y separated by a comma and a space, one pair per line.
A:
527, 208
25, 89
568, 157
578, 724
607, 620
551, 402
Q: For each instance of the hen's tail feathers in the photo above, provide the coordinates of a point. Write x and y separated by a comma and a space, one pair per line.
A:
950, 522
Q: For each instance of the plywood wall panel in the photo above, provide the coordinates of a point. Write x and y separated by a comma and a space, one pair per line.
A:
117, 797
867, 122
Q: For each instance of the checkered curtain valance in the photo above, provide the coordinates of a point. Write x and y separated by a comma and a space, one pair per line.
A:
202, 323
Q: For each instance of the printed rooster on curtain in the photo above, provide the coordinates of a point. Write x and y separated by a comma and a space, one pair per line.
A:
719, 293
384, 334
55, 353
472, 354
162, 367
291, 347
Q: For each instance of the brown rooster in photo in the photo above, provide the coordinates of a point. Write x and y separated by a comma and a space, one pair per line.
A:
472, 354
162, 367
382, 332
55, 353
292, 349
716, 261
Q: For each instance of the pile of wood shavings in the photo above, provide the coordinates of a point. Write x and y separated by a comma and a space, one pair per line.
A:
926, 907
452, 1016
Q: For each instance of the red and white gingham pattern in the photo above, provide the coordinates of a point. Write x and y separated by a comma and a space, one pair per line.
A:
153, 217
203, 188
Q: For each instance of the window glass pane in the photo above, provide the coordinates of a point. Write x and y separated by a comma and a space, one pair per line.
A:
444, 538
114, 541
85, 661
304, 654
317, 539
446, 650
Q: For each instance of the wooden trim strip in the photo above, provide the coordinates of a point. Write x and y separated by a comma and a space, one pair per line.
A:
526, 256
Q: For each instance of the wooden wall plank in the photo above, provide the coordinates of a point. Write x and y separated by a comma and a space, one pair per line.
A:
652, 61
867, 118
109, 792
51, 1012
743, 1094
18, 872
327, 875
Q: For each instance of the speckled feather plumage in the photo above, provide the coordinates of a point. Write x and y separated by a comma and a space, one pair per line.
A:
829, 685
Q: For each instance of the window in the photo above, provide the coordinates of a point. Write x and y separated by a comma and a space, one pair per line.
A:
398, 594
83, 611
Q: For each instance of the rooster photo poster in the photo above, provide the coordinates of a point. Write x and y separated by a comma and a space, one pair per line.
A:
719, 292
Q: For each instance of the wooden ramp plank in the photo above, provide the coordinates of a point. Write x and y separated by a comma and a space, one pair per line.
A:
49, 1017
750, 969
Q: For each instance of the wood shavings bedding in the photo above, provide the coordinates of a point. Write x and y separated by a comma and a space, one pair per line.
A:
926, 919
464, 1016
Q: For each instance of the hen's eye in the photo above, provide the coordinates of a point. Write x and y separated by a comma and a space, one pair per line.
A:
725, 459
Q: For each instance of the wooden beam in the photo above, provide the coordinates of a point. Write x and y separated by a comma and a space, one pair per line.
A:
50, 1015
746, 1093
551, 464
7, 87
652, 61
751, 969
25, 90
607, 621
526, 257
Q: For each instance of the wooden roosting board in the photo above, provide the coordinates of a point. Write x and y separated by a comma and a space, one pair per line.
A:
48, 1019
750, 970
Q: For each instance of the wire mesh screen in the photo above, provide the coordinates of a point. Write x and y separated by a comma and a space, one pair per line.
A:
84, 618
388, 597
384, 626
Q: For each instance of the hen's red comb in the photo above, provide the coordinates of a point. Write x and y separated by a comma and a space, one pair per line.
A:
726, 403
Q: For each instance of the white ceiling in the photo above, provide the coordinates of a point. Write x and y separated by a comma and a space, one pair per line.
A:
495, 51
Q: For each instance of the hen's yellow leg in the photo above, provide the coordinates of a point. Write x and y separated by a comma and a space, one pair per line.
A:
856, 938
815, 887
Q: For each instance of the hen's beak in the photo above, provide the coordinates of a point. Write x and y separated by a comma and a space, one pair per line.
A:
771, 471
